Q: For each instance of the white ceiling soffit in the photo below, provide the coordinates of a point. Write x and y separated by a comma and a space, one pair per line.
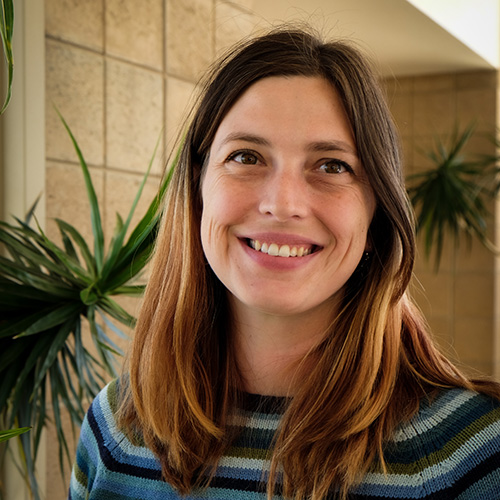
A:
400, 38
474, 22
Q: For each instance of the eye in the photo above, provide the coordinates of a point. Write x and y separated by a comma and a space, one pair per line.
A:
244, 157
335, 167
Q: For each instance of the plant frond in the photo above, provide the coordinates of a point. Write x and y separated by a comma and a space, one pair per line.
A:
46, 290
451, 197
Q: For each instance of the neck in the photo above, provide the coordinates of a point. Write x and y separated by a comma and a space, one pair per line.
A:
273, 352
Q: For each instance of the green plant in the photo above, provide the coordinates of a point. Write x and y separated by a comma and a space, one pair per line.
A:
47, 292
9, 434
6, 31
453, 196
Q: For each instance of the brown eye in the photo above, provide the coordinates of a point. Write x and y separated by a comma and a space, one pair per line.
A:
245, 158
335, 167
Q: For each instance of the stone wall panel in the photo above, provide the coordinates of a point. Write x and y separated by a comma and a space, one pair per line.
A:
74, 85
134, 31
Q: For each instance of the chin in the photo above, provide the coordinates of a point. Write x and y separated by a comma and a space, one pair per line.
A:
295, 306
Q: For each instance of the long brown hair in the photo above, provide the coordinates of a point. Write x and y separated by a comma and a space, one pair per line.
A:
373, 367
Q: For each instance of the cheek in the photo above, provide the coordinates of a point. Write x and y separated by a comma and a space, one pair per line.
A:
209, 211
351, 213
366, 206
215, 219
209, 225
224, 202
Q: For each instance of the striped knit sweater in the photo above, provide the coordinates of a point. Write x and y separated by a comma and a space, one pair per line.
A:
450, 450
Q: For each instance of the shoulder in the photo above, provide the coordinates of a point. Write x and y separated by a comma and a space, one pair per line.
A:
109, 459
100, 427
103, 420
449, 449
104, 408
453, 414
451, 446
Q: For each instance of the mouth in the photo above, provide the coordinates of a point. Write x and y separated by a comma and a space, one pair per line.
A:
276, 250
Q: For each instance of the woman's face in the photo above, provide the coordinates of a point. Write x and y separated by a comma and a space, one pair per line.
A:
286, 202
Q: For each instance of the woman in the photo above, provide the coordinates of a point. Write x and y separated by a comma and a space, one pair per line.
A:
277, 351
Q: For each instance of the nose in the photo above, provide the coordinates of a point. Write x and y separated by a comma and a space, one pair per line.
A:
285, 195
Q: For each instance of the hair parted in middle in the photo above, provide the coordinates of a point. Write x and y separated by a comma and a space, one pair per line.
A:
372, 364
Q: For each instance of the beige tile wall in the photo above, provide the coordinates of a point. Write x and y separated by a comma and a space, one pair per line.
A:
460, 301
122, 75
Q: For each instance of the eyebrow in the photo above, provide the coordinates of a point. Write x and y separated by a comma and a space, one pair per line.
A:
320, 146
332, 146
254, 139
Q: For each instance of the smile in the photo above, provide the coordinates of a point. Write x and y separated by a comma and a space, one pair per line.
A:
280, 250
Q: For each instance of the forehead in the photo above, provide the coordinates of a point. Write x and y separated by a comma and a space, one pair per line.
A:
307, 107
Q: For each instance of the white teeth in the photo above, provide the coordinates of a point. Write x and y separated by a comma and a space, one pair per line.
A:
282, 251
274, 249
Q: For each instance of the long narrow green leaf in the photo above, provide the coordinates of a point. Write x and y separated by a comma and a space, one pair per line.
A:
69, 248
95, 214
130, 264
18, 325
76, 395
116, 237
36, 241
105, 342
29, 457
130, 291
151, 217
68, 263
120, 237
10, 373
8, 434
79, 354
103, 354
6, 32
111, 307
133, 257
137, 250
40, 399
18, 244
23, 389
40, 260
56, 316
119, 333
68, 229
17, 296
37, 279
57, 344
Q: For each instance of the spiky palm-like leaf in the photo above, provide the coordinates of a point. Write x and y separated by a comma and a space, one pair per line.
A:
47, 292
452, 197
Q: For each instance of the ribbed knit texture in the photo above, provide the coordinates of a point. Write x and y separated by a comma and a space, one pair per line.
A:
449, 451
